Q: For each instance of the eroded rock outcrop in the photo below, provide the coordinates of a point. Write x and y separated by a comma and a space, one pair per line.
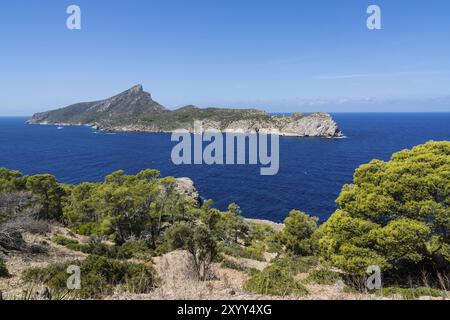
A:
186, 187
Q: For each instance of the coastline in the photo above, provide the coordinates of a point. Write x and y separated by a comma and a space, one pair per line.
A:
136, 129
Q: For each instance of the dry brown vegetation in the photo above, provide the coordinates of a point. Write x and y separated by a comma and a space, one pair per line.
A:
176, 280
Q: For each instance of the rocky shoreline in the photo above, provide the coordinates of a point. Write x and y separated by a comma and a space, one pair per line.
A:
326, 132
314, 125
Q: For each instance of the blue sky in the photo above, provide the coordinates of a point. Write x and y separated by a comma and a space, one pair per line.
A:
279, 55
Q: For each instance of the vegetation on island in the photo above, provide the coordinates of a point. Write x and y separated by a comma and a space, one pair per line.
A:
136, 107
395, 216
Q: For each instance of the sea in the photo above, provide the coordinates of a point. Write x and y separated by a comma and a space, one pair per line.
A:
311, 175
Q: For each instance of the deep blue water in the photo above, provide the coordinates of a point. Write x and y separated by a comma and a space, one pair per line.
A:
312, 170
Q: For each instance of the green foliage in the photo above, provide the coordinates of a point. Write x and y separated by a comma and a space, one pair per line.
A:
50, 194
254, 252
3, 270
99, 276
203, 249
130, 249
396, 215
234, 225
229, 227
324, 276
11, 181
199, 242
44, 189
260, 231
230, 264
275, 281
275, 243
177, 235
134, 249
126, 206
297, 234
411, 293
66, 242
296, 264
94, 247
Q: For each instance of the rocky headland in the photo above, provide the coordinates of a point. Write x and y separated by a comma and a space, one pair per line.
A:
135, 110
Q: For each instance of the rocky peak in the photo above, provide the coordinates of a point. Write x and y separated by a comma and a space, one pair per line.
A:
134, 101
136, 89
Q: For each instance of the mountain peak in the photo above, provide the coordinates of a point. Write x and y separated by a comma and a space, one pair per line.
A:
137, 88
133, 103
136, 92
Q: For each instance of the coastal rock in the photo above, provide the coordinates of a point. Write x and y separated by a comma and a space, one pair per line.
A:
186, 187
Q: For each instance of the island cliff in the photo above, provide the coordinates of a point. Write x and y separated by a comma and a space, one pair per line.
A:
135, 110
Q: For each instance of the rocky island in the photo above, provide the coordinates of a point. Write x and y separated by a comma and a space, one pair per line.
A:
135, 110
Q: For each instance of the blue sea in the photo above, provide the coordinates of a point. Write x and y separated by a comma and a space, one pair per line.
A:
312, 170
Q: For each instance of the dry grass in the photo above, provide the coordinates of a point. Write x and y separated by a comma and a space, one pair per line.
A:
17, 262
176, 279
178, 282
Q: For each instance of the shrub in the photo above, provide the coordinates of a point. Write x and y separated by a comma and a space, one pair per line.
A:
66, 242
139, 278
177, 235
11, 181
324, 276
3, 270
89, 228
50, 195
411, 293
230, 264
260, 231
99, 276
395, 215
203, 249
134, 249
94, 247
274, 243
297, 264
296, 236
275, 281
200, 244
254, 252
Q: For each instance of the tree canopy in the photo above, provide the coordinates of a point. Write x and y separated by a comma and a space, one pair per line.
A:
395, 215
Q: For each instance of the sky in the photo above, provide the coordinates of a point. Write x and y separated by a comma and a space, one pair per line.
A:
277, 55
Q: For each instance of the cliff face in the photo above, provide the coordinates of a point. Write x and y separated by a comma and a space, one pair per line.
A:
135, 110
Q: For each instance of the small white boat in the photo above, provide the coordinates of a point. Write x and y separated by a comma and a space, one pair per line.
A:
60, 128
